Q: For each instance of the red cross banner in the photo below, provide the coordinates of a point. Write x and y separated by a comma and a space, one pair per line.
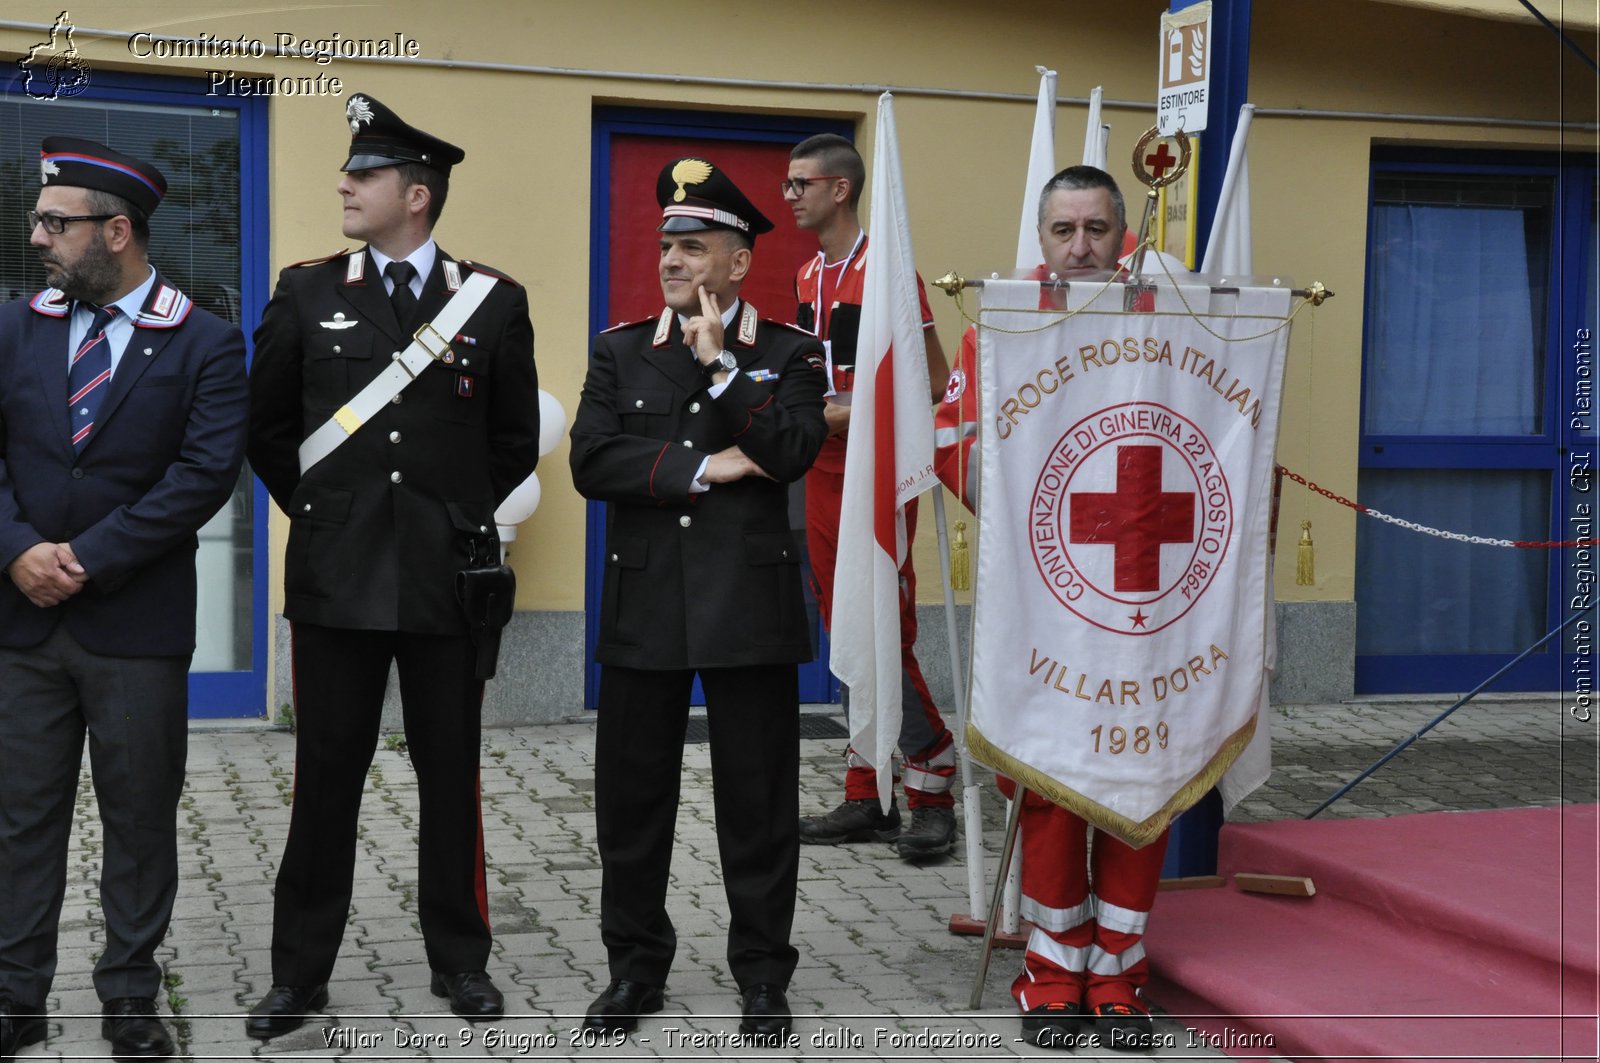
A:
1125, 464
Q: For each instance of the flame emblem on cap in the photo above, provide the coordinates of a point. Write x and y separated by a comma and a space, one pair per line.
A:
358, 111
47, 167
689, 172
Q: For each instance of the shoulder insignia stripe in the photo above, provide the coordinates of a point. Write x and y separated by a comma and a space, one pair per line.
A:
479, 267
52, 302
628, 324
355, 267
452, 275
317, 261
663, 328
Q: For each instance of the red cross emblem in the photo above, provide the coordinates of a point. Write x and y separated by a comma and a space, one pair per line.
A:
1160, 161
1101, 486
1137, 519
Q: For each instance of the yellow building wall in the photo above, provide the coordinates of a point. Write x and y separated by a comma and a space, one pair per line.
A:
521, 200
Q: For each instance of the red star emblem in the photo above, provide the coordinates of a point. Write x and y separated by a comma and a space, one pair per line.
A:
1138, 618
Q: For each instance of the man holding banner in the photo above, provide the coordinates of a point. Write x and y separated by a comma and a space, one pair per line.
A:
1084, 960
823, 189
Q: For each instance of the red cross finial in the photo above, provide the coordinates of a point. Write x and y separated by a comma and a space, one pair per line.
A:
1161, 161
1136, 519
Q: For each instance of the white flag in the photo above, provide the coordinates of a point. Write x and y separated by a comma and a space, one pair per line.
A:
1119, 624
1041, 167
888, 462
1095, 134
1228, 249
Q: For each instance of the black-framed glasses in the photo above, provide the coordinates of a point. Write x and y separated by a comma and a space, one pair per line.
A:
56, 224
796, 186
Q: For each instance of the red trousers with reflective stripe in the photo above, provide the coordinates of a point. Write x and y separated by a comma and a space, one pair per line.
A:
1060, 863
922, 732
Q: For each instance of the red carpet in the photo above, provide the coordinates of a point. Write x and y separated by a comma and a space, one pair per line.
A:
1447, 935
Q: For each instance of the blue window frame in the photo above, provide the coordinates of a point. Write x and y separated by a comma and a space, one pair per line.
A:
210, 237
1477, 268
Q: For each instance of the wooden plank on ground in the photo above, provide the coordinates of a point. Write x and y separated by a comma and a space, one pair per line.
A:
1282, 885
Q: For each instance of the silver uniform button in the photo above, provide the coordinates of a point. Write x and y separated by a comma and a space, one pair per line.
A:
613, 557
308, 507
395, 357
337, 349
394, 437
688, 442
685, 521
396, 399
395, 476
638, 404
694, 407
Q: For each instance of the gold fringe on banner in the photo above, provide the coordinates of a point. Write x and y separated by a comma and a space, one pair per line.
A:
960, 562
1305, 565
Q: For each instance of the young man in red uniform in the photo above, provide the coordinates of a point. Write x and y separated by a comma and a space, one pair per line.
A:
823, 189
1085, 961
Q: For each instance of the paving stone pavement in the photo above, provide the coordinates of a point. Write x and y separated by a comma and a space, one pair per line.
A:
880, 976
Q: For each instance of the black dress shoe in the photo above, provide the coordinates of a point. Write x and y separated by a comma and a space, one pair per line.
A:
284, 1009
134, 1030
766, 1012
617, 1010
472, 995
1056, 1025
20, 1025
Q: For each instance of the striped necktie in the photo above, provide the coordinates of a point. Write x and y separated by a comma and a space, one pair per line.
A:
89, 376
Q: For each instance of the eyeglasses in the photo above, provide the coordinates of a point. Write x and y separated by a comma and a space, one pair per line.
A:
56, 224
796, 186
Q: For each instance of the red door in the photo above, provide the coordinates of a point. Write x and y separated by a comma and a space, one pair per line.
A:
756, 167
631, 147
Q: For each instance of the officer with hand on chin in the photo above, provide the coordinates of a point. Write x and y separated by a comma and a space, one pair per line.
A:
692, 425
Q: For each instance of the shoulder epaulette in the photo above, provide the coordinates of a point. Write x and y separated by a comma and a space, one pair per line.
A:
807, 333
619, 326
479, 267
317, 261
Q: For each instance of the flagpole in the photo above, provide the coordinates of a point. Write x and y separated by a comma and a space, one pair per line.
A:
971, 792
1006, 851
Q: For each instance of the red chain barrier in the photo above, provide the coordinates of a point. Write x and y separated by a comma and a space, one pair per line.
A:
1477, 540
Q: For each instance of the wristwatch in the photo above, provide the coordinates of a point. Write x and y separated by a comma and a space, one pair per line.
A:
723, 362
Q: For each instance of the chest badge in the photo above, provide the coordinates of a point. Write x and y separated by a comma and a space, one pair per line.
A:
338, 322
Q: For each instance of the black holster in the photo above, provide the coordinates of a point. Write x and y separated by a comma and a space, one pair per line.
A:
487, 593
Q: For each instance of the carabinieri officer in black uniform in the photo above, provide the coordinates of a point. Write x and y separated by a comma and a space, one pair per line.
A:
390, 484
691, 425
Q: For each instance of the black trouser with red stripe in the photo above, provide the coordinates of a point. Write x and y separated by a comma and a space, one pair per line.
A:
754, 719
339, 680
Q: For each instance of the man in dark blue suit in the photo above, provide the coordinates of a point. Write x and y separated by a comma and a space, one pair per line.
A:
122, 425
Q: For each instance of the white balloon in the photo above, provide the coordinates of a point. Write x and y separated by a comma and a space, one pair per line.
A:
520, 504
552, 422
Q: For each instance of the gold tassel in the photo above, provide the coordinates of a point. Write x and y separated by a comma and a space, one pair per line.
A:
1305, 565
960, 563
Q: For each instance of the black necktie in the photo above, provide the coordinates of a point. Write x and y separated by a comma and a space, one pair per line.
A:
89, 375
404, 302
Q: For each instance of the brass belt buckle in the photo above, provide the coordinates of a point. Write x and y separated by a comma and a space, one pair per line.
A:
429, 338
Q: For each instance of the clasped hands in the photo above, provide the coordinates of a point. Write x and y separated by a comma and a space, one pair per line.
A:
48, 573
